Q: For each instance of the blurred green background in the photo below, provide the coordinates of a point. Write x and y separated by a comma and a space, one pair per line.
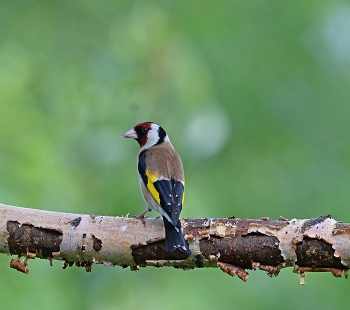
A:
253, 94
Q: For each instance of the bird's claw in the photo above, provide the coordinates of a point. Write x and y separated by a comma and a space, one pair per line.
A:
141, 217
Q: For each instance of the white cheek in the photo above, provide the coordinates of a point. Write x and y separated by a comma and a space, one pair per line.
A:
152, 139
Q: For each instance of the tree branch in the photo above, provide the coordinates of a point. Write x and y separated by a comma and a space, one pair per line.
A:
232, 244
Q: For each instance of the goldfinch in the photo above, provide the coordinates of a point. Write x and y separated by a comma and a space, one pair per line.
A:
162, 181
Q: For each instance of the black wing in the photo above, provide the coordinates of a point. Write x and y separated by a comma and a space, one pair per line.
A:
141, 166
170, 193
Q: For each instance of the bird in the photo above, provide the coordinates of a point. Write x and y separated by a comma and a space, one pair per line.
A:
161, 179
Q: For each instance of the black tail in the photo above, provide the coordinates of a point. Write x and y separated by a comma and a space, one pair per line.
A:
174, 239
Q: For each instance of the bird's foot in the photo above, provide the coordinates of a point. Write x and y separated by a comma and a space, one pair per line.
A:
141, 217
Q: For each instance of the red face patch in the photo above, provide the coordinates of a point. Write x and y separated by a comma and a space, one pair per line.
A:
142, 130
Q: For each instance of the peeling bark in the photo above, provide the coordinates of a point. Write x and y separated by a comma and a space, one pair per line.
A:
25, 238
232, 244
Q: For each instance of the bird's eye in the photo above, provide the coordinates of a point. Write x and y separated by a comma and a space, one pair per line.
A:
144, 129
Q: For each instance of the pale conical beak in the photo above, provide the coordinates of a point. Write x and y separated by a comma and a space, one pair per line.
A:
130, 134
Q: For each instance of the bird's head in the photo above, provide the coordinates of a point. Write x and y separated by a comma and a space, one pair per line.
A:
147, 134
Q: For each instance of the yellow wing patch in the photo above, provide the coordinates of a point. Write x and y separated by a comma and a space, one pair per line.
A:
151, 179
